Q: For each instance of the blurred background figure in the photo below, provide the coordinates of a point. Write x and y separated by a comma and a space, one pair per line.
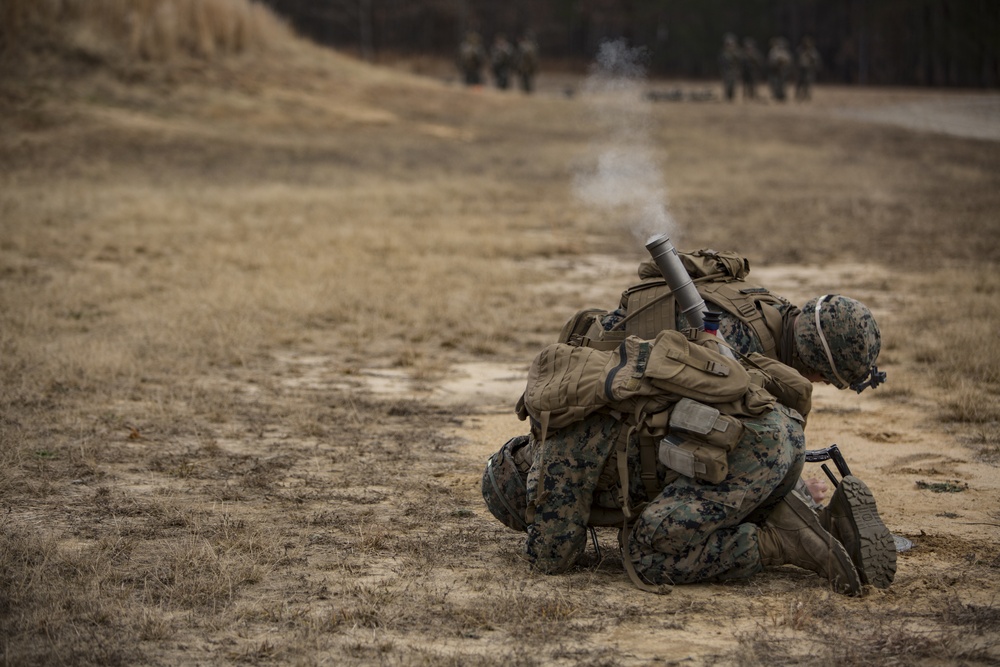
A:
779, 67
808, 62
729, 65
527, 62
471, 59
751, 68
501, 61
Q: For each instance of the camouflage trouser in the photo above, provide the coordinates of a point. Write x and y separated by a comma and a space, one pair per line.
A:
562, 481
695, 531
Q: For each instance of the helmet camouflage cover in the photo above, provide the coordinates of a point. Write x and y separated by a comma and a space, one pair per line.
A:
841, 341
504, 483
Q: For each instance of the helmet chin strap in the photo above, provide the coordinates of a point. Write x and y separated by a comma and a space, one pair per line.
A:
822, 339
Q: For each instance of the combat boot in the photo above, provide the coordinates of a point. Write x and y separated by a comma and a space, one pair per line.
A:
792, 535
852, 518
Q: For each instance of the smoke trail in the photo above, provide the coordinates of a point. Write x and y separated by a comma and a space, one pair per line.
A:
625, 179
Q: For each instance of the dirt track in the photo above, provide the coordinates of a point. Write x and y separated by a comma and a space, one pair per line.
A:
972, 116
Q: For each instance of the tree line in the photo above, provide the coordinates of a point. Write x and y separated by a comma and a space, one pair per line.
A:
879, 42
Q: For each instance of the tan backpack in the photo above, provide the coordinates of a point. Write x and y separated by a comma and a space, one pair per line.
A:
568, 382
720, 278
639, 382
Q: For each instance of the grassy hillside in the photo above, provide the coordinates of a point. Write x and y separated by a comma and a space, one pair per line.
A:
150, 30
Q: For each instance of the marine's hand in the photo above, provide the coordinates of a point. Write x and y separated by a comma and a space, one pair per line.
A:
817, 488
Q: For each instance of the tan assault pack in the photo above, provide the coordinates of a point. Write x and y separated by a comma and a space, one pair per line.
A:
720, 278
567, 382
640, 382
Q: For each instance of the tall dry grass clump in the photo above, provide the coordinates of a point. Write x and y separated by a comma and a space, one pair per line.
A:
153, 30
960, 351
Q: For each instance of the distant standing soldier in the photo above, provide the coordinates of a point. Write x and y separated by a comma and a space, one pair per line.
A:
501, 61
779, 66
809, 63
752, 68
471, 59
729, 65
527, 62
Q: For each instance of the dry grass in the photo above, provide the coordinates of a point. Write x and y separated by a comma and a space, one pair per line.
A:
157, 30
954, 340
196, 269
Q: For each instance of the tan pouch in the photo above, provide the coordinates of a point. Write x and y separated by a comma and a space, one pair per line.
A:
690, 368
699, 441
694, 459
706, 423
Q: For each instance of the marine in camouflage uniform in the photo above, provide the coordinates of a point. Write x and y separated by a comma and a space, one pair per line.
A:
808, 63
526, 62
501, 61
729, 66
471, 59
694, 531
779, 68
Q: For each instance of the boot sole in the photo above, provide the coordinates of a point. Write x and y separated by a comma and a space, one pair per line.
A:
837, 551
874, 553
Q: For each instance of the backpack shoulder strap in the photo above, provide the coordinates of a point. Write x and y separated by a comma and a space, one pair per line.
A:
752, 305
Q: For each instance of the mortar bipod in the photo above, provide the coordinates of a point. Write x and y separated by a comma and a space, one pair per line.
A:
829, 453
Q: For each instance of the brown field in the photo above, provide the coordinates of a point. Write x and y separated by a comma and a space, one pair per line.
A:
263, 317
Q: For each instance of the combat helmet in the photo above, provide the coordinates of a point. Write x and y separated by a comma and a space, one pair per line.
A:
838, 337
504, 483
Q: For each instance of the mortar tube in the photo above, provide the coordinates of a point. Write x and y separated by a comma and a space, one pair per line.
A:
665, 256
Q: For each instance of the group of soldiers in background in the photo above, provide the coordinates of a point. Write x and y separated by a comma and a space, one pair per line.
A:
504, 60
747, 65
740, 64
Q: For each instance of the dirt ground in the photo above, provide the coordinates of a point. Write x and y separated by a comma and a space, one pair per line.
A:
263, 325
891, 445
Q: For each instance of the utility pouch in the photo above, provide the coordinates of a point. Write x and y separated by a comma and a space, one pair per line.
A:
699, 441
694, 459
705, 423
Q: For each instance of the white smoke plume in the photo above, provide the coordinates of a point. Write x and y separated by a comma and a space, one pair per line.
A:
625, 179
